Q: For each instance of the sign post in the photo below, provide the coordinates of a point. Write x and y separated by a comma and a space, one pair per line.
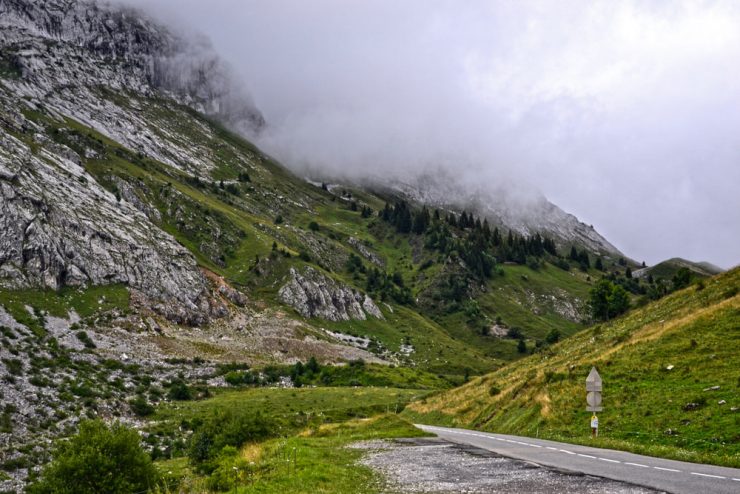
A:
593, 398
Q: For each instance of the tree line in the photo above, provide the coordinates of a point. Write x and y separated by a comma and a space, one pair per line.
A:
473, 240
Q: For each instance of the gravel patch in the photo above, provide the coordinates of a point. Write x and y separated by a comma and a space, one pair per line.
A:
429, 465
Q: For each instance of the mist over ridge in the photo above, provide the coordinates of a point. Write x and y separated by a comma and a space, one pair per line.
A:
621, 114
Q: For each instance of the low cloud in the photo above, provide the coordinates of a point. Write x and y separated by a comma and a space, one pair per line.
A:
624, 113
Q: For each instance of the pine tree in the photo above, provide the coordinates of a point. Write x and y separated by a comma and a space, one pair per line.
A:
521, 347
496, 237
463, 220
486, 229
386, 214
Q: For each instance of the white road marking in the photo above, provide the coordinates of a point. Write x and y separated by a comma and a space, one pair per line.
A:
707, 475
610, 461
582, 455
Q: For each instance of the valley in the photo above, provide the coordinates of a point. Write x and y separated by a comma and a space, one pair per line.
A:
170, 289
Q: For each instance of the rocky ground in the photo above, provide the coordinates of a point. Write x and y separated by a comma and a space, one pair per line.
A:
59, 370
429, 465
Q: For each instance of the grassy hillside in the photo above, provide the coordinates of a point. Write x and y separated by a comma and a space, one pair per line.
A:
671, 382
667, 269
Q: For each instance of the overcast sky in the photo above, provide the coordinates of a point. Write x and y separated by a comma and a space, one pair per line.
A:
626, 114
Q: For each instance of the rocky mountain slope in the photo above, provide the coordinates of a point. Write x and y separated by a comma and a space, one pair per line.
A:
522, 210
112, 172
60, 227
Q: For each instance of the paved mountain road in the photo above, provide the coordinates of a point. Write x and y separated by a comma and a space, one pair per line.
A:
672, 476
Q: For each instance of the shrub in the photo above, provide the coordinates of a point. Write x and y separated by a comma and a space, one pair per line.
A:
85, 339
553, 336
233, 189
141, 407
6, 419
521, 347
514, 333
98, 459
562, 264
730, 292
237, 378
14, 366
227, 429
180, 391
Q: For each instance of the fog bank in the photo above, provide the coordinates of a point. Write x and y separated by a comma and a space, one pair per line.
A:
623, 113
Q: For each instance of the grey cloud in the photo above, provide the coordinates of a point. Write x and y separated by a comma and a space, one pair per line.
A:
624, 113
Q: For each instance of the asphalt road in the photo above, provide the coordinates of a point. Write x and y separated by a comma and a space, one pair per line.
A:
672, 476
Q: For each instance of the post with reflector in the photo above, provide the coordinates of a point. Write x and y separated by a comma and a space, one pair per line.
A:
593, 398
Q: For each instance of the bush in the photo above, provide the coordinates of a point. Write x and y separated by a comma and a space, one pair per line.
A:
180, 391
553, 336
521, 347
514, 333
85, 339
98, 459
237, 378
562, 264
14, 366
227, 429
141, 407
608, 300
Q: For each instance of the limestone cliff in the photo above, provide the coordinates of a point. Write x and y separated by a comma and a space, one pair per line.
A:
314, 295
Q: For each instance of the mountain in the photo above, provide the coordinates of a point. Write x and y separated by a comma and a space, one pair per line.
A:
60, 227
666, 270
115, 172
146, 244
511, 206
687, 343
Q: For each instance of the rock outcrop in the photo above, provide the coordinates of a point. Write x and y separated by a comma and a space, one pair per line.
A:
366, 252
58, 228
122, 49
63, 61
314, 295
